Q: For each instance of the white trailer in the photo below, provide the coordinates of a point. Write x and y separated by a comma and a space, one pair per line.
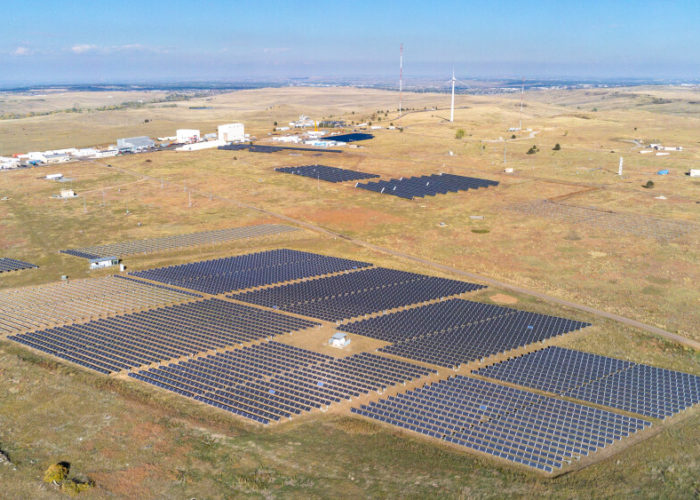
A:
231, 132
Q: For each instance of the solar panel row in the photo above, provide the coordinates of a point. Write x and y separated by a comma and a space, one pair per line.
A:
177, 241
133, 340
271, 381
7, 264
522, 427
353, 294
325, 173
426, 185
637, 388
250, 270
483, 339
68, 301
425, 320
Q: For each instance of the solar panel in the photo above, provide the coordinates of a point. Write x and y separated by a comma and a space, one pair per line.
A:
247, 271
637, 388
431, 185
7, 264
481, 340
425, 320
519, 426
354, 294
177, 241
132, 340
348, 137
326, 173
271, 381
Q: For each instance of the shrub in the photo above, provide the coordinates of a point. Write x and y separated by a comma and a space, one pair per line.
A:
648, 185
556, 147
56, 473
532, 150
459, 134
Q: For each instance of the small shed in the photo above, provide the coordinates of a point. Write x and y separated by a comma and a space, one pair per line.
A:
100, 262
339, 340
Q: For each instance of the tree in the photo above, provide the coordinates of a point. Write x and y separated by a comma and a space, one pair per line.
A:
459, 134
648, 185
532, 150
556, 147
275, 124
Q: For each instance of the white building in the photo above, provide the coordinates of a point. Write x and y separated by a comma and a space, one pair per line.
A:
106, 153
303, 121
135, 144
67, 193
694, 172
84, 153
36, 156
6, 162
57, 158
339, 340
198, 146
292, 139
231, 132
186, 135
54, 177
101, 262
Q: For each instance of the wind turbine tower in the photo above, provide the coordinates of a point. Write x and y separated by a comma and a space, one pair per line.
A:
400, 75
452, 107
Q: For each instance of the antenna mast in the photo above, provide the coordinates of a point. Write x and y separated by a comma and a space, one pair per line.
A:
400, 75
452, 107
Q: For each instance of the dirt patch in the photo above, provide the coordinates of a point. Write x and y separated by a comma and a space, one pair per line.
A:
501, 298
127, 483
351, 218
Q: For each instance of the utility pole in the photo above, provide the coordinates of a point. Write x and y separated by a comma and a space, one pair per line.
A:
400, 77
452, 107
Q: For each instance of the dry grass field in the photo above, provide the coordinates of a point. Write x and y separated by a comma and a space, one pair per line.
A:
135, 441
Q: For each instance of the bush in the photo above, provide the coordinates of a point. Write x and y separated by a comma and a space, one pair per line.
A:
532, 150
648, 185
73, 487
56, 473
459, 134
556, 147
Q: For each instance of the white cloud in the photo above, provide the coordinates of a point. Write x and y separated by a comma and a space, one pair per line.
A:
21, 51
83, 48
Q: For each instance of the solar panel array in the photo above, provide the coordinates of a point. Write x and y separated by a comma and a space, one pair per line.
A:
425, 320
325, 173
247, 271
7, 264
522, 427
348, 137
354, 294
479, 341
637, 388
47, 305
129, 341
177, 241
426, 185
271, 381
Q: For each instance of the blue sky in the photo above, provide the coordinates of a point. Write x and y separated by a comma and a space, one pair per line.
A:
106, 40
